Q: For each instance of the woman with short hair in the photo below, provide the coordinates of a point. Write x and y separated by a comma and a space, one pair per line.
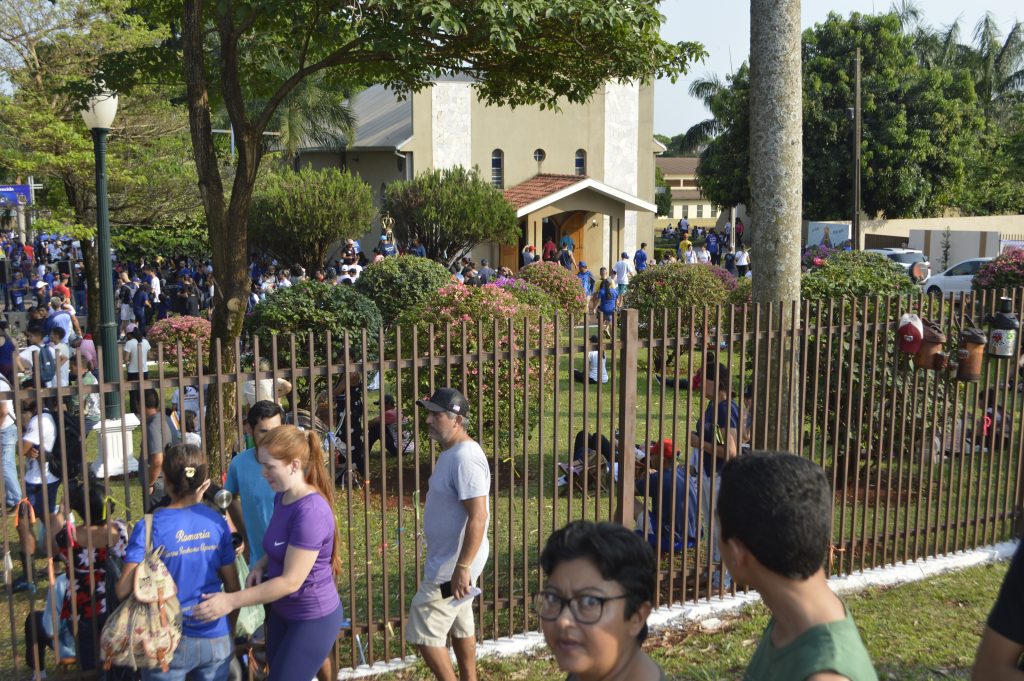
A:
593, 609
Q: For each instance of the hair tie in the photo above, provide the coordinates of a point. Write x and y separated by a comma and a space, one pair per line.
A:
190, 471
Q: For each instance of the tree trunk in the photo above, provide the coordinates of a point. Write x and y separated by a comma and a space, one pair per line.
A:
776, 180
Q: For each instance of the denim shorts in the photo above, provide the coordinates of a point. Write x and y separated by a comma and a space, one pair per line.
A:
197, 659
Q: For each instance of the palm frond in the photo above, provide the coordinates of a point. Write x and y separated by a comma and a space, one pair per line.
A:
699, 135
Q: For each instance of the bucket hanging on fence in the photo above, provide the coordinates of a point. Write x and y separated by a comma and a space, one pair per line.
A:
1004, 327
972, 348
930, 355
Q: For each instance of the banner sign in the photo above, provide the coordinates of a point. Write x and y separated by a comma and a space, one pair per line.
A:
13, 194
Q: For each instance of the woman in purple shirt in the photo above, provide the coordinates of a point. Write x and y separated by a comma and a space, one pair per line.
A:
297, 573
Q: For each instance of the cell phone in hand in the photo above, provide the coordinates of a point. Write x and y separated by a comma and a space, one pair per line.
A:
446, 589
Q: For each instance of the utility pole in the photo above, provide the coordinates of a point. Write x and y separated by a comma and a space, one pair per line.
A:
776, 198
855, 223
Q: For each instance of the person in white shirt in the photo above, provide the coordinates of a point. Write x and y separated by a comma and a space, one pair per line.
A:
41, 485
62, 356
26, 359
595, 362
136, 358
703, 256
742, 261
624, 271
690, 255
264, 388
191, 402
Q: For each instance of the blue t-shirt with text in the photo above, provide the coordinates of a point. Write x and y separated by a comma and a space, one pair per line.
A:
197, 543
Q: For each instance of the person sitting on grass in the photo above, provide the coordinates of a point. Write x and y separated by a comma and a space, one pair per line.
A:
593, 609
775, 513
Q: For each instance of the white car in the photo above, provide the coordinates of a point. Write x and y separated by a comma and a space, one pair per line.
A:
914, 262
957, 279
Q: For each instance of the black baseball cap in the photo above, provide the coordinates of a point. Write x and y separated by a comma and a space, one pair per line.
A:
446, 399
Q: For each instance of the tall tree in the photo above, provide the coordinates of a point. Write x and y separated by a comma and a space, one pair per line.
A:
298, 215
776, 179
919, 125
47, 48
450, 211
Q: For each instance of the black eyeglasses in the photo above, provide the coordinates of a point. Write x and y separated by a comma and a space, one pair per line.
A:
586, 609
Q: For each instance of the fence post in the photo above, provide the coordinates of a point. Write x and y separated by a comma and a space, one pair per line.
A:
624, 487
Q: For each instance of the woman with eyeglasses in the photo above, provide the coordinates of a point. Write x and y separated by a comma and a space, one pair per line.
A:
593, 609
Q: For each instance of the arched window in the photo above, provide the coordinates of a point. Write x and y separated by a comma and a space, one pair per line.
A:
498, 168
581, 162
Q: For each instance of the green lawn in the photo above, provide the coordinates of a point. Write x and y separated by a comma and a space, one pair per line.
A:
924, 630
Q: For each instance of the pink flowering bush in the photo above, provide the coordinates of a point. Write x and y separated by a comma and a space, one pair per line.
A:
1005, 271
505, 323
192, 332
528, 294
561, 285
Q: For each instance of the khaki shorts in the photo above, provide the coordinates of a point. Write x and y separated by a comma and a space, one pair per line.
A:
432, 618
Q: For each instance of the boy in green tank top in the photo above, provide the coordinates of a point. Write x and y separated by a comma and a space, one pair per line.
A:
775, 511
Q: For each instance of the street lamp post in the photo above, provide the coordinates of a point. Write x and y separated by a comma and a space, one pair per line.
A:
99, 116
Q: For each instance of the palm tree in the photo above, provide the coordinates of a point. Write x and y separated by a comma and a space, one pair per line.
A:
698, 135
998, 66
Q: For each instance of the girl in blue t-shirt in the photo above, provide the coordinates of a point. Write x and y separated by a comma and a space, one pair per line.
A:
199, 554
605, 300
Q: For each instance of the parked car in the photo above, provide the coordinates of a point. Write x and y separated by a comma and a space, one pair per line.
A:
957, 279
914, 262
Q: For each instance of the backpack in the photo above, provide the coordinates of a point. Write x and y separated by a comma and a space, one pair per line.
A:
145, 630
126, 294
47, 364
67, 450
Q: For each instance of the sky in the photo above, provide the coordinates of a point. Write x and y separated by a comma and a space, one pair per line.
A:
724, 29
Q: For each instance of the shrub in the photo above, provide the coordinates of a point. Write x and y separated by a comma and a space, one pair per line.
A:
560, 284
192, 332
663, 254
1005, 271
486, 305
678, 285
313, 308
397, 284
855, 274
743, 293
528, 294
815, 256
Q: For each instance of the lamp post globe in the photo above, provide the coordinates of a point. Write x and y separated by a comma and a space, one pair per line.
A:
99, 117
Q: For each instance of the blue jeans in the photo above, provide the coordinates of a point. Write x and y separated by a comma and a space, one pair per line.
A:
197, 659
9, 446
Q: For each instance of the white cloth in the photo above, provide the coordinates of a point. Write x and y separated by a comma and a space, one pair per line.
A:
741, 258
62, 351
690, 257
138, 355
191, 400
703, 256
154, 285
49, 438
624, 270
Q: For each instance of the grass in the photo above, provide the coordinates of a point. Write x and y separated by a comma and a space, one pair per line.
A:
923, 630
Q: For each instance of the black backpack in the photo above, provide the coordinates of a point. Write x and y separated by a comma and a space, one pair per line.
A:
66, 456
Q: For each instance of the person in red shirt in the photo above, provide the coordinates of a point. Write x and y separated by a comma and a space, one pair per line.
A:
62, 289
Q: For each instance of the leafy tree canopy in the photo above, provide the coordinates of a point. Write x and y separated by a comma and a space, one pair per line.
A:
919, 125
298, 215
450, 211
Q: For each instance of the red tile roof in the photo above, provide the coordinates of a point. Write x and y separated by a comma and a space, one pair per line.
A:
539, 186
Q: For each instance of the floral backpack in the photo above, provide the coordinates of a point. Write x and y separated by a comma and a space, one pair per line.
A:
144, 631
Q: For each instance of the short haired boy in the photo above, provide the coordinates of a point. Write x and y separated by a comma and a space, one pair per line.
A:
775, 512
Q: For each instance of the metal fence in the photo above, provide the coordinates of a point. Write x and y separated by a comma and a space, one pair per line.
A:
922, 464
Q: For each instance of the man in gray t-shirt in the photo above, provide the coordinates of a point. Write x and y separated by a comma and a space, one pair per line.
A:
455, 520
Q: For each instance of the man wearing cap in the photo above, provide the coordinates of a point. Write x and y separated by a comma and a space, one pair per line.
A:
586, 279
455, 520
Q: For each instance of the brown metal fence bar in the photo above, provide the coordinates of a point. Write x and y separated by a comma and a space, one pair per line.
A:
627, 417
857, 452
